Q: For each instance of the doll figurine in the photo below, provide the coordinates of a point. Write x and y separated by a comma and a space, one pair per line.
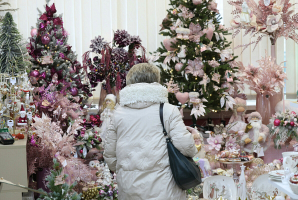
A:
108, 111
237, 120
256, 135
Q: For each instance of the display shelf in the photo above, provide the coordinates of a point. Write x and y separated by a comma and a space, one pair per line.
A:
285, 188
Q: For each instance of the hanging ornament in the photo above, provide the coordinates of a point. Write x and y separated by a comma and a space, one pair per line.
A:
33, 32
168, 43
182, 97
182, 53
45, 39
34, 73
178, 67
266, 2
196, 2
216, 77
74, 91
205, 80
229, 76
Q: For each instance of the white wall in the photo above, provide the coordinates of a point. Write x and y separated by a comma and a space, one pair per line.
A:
85, 19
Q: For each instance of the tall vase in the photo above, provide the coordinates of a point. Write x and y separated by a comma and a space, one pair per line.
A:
276, 97
264, 107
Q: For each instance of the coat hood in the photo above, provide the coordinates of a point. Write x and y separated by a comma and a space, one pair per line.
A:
142, 95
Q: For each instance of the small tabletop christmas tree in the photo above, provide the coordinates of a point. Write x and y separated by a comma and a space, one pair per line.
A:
197, 57
12, 52
52, 55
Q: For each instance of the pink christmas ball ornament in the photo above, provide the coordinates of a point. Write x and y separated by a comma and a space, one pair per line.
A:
74, 91
45, 39
168, 43
178, 67
196, 2
276, 122
292, 123
34, 73
33, 32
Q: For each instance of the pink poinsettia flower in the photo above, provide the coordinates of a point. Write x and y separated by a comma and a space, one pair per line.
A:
273, 22
213, 6
195, 67
231, 143
213, 63
215, 142
250, 72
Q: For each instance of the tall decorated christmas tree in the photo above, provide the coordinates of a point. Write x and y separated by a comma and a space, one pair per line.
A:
53, 59
195, 58
12, 51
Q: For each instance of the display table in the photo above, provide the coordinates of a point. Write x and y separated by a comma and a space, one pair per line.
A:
285, 188
13, 167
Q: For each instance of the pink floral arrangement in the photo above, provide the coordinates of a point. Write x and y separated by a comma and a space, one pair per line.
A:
223, 139
266, 79
274, 20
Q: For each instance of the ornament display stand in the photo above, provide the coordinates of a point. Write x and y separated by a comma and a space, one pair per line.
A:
285, 188
235, 176
13, 166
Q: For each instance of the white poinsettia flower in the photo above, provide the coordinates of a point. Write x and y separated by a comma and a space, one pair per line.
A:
273, 23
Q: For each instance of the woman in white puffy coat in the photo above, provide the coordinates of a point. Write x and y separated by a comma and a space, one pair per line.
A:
135, 145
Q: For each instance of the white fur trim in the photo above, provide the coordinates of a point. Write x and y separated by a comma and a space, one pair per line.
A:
263, 136
143, 92
244, 137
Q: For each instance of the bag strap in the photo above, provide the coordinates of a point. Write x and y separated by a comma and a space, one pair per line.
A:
161, 119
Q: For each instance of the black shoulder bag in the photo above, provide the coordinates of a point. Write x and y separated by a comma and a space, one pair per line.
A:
185, 171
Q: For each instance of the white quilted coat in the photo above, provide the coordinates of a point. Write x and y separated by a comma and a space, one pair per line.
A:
136, 147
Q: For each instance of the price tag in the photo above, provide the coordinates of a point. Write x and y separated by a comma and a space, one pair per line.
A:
29, 115
13, 80
10, 123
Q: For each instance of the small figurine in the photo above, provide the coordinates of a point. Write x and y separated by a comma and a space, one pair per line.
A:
106, 115
237, 120
23, 118
255, 136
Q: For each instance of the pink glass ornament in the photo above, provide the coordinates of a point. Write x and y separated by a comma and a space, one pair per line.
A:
276, 122
178, 67
196, 2
168, 43
45, 39
74, 91
292, 123
81, 151
34, 73
33, 32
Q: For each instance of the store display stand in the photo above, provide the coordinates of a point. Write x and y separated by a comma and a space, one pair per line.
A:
285, 188
13, 167
235, 175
